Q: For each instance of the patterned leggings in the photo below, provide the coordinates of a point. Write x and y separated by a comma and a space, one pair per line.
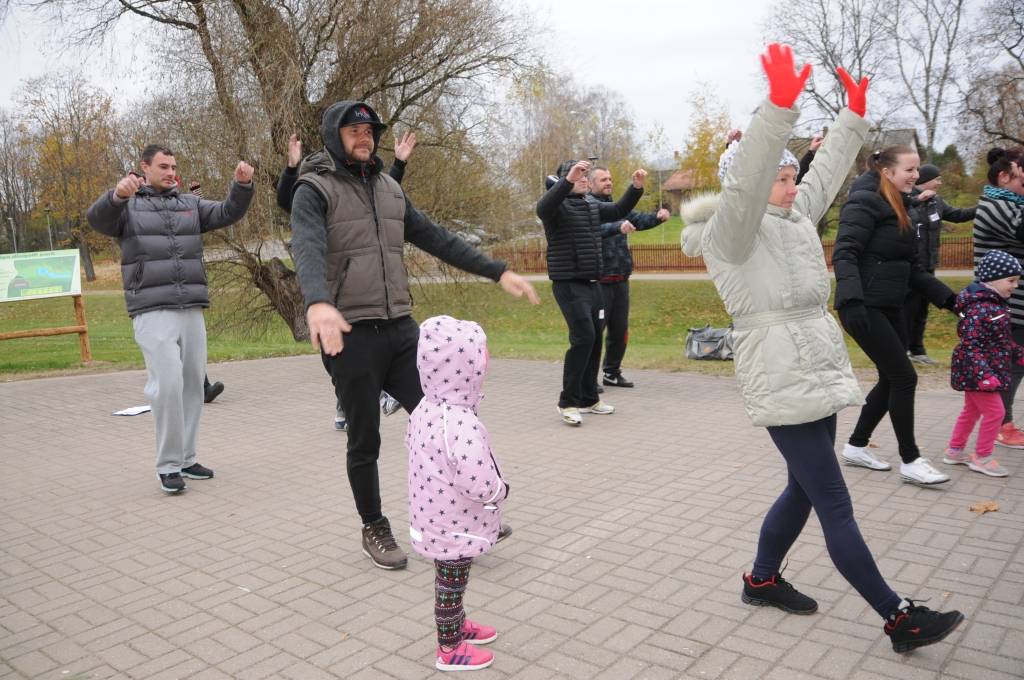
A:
449, 587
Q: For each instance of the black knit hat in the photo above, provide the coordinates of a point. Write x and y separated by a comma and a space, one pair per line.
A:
995, 265
928, 173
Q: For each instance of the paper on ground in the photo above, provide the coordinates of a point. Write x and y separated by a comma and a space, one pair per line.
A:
133, 411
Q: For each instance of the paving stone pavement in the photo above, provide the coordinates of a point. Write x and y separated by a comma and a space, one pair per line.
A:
631, 533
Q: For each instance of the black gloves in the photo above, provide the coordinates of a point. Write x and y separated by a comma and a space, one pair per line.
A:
950, 303
854, 317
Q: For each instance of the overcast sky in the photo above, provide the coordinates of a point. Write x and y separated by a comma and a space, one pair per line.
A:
653, 52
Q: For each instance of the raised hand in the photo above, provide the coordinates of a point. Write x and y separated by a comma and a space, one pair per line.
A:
639, 177
243, 172
784, 82
127, 186
404, 146
734, 135
578, 171
294, 151
816, 142
663, 215
627, 227
856, 93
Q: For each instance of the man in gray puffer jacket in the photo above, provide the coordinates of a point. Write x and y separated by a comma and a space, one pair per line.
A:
160, 232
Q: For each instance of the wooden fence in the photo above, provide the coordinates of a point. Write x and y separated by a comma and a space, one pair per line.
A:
955, 253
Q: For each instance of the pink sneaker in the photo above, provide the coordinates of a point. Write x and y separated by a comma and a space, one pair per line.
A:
987, 465
477, 634
465, 657
1010, 437
956, 457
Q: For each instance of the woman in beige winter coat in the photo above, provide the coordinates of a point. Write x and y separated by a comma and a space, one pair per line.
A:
764, 255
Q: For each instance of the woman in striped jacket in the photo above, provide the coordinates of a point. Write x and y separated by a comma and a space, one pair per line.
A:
999, 225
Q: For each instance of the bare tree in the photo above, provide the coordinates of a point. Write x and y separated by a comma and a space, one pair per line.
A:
832, 33
992, 104
71, 124
416, 60
17, 190
926, 40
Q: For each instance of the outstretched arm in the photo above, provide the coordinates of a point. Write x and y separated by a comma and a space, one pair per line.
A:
732, 231
832, 162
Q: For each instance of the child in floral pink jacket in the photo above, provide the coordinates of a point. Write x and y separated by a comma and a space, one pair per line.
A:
455, 487
981, 364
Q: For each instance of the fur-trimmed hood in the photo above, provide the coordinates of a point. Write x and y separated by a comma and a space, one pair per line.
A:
695, 214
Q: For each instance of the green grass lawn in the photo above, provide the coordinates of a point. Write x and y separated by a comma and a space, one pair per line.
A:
661, 313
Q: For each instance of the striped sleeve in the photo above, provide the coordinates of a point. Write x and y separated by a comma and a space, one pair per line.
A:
999, 225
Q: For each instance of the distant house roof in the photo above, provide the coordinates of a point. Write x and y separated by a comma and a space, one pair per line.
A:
681, 180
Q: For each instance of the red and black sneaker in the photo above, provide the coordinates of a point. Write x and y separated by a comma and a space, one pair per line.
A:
776, 592
914, 626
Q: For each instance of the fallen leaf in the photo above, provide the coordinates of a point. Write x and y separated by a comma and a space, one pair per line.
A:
344, 635
985, 506
872, 445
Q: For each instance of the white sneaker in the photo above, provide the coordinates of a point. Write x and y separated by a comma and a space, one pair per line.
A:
859, 455
570, 415
600, 408
921, 472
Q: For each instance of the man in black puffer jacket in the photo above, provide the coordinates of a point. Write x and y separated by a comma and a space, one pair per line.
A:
160, 234
617, 266
572, 226
927, 212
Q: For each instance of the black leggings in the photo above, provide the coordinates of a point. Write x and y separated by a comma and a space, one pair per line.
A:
815, 481
886, 346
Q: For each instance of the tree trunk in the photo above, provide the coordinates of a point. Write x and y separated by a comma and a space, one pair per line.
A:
86, 255
281, 286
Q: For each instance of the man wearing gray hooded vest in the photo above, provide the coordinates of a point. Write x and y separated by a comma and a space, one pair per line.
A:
160, 232
350, 222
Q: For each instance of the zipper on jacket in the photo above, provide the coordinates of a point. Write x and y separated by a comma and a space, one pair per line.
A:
137, 277
380, 240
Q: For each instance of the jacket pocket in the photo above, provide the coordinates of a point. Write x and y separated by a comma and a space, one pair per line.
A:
336, 289
136, 280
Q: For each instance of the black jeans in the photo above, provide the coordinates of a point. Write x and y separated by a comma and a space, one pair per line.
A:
1016, 376
582, 306
378, 354
886, 346
815, 481
915, 311
616, 319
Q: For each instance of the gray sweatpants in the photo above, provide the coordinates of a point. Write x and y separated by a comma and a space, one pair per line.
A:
173, 342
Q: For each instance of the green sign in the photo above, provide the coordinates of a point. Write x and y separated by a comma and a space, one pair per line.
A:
28, 276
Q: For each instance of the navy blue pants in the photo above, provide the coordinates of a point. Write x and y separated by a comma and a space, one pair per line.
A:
815, 481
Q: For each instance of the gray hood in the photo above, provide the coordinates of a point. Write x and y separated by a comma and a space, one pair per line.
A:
330, 125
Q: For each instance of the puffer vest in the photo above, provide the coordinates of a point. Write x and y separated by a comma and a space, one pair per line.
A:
366, 275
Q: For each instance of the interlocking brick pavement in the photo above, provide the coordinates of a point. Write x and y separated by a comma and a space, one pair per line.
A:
630, 536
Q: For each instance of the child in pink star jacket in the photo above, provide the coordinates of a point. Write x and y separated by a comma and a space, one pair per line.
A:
455, 487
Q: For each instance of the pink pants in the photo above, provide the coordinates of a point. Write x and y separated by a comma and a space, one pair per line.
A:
985, 405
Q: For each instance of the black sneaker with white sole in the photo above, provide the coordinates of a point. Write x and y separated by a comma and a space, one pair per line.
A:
776, 592
172, 482
197, 471
616, 380
914, 626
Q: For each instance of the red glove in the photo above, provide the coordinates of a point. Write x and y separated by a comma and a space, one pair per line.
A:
989, 383
784, 83
856, 93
